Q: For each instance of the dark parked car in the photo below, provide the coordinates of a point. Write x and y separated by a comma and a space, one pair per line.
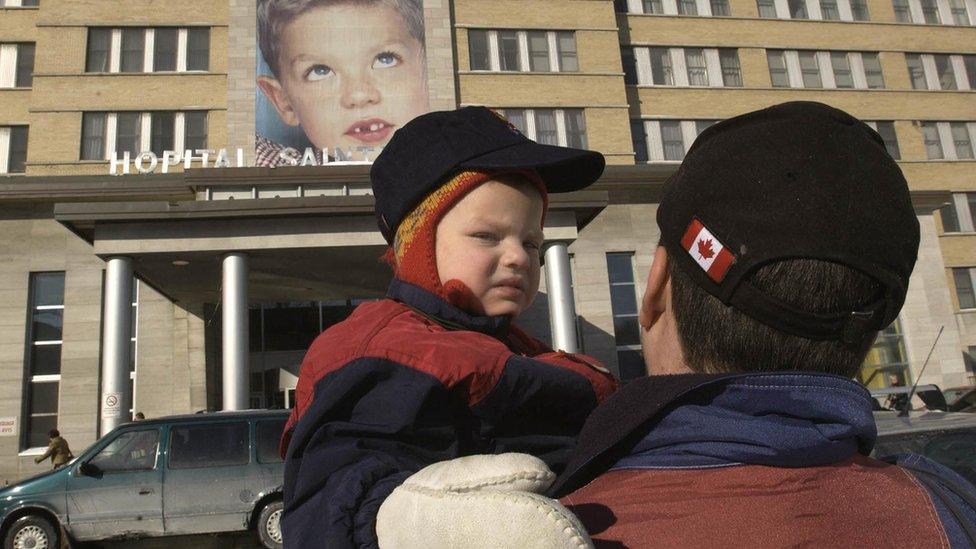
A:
945, 437
188, 474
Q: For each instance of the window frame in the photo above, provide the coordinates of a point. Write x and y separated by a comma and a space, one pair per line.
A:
30, 377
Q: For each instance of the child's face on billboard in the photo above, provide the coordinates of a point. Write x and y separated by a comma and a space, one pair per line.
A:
349, 75
490, 241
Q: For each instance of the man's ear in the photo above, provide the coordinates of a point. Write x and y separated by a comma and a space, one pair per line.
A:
655, 300
272, 89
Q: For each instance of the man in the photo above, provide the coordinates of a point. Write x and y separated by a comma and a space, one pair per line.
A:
57, 450
787, 241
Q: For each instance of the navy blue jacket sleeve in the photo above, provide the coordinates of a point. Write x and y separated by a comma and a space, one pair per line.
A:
953, 496
371, 424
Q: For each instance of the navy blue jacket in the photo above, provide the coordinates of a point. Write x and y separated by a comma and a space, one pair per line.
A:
756, 460
411, 380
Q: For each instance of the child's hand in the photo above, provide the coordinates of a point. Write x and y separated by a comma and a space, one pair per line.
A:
479, 501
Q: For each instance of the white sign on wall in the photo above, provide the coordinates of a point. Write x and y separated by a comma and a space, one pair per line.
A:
112, 406
8, 426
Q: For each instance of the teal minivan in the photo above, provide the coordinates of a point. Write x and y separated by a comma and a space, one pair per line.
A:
187, 474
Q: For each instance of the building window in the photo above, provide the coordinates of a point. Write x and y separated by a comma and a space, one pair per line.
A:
965, 280
872, 70
563, 127
859, 10
720, 8
135, 132
778, 74
842, 69
903, 13
478, 53
13, 149
133, 340
653, 6
960, 214
697, 66
687, 7
16, 65
665, 140
933, 145
18, 3
697, 71
524, 51
949, 140
941, 71
828, 10
798, 9
43, 358
623, 304
886, 364
125, 49
810, 69
731, 70
959, 14
887, 132
767, 9
930, 12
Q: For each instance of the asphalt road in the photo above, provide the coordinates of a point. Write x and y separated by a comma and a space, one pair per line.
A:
241, 540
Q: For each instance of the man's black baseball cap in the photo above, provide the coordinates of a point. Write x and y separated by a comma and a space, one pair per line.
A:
796, 180
430, 148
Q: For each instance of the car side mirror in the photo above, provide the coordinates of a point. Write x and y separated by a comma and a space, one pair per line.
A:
89, 470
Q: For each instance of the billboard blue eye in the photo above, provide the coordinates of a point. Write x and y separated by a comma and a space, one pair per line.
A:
386, 60
317, 72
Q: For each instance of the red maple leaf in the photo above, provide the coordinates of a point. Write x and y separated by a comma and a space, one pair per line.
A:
705, 249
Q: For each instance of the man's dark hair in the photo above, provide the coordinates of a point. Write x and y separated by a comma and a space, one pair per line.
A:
53, 433
717, 338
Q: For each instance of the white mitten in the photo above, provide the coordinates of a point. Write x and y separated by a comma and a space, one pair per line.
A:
479, 501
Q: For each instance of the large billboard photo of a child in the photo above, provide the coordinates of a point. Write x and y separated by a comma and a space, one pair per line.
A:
336, 78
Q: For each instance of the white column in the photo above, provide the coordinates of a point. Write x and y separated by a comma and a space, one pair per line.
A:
523, 48
948, 143
115, 51
813, 9
559, 285
655, 145
844, 10
793, 69
857, 70
704, 8
945, 12
689, 132
915, 9
181, 50
670, 7
931, 73
530, 123
635, 6
234, 338
826, 69
8, 65
179, 132
714, 67
560, 116
971, 11
148, 50
111, 131
554, 65
678, 66
782, 9
145, 132
14, 3
965, 221
642, 58
116, 336
959, 70
494, 55
4, 149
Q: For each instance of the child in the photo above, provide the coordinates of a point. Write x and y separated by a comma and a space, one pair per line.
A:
349, 72
437, 370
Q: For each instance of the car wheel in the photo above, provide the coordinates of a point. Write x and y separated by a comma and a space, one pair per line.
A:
32, 532
269, 525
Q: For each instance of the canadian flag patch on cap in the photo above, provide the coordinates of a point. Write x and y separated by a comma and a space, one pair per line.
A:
707, 251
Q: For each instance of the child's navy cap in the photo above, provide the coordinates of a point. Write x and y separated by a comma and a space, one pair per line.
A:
793, 181
427, 150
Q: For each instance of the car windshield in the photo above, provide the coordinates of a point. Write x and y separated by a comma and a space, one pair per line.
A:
956, 448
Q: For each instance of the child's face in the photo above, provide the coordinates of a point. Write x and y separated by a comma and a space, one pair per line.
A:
349, 75
490, 241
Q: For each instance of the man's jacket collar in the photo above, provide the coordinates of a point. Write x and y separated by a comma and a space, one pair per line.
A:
703, 420
445, 314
